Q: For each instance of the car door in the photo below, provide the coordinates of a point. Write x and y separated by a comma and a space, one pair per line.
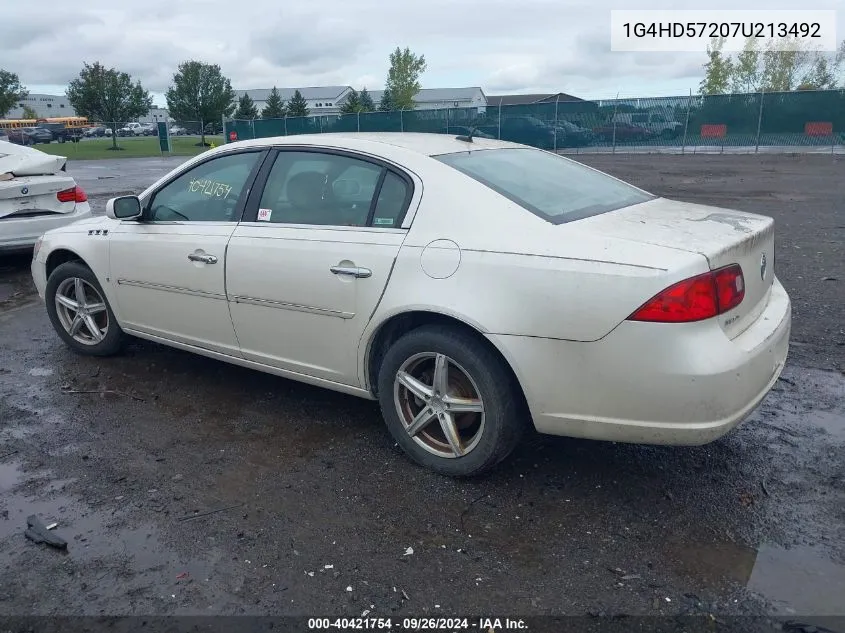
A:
168, 268
310, 261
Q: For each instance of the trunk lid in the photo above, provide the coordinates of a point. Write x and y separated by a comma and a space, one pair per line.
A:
722, 236
26, 161
34, 195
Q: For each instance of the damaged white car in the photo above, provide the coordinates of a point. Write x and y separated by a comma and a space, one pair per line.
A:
36, 195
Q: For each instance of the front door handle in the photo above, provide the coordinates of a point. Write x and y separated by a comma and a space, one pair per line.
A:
352, 271
205, 259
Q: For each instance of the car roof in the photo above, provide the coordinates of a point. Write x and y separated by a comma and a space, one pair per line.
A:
419, 142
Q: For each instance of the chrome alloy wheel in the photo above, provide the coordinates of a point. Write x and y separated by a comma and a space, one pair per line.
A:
439, 404
82, 311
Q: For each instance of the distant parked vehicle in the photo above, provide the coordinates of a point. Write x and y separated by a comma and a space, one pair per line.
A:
571, 134
131, 129
148, 129
623, 132
93, 132
528, 130
32, 135
176, 130
658, 123
4, 137
60, 132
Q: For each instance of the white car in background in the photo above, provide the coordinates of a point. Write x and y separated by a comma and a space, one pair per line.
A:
36, 195
131, 129
471, 286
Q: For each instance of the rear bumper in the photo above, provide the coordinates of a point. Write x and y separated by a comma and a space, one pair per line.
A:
20, 234
653, 383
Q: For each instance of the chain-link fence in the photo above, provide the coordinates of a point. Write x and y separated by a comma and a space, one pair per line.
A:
749, 121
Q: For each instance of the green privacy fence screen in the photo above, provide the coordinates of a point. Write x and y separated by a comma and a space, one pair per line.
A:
750, 120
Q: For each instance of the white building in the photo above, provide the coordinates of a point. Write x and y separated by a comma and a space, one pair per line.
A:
441, 98
321, 99
155, 115
44, 105
327, 100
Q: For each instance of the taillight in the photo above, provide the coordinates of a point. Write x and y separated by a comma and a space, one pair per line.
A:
695, 299
730, 287
74, 194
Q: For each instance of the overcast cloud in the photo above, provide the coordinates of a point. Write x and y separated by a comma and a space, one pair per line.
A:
501, 45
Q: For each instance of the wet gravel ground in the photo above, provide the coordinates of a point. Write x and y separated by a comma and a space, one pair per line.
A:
187, 486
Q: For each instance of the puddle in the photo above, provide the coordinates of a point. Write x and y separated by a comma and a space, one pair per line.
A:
833, 423
6, 291
801, 580
10, 476
797, 581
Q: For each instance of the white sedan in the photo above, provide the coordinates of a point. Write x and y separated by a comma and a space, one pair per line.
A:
36, 195
473, 287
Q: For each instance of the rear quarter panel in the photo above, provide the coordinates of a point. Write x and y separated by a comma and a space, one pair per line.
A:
519, 274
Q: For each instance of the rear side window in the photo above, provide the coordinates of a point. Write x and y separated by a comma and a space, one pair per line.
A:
550, 186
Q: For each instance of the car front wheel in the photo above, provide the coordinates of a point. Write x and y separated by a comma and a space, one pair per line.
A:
450, 401
80, 312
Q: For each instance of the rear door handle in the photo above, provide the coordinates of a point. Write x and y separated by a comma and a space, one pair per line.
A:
352, 271
205, 259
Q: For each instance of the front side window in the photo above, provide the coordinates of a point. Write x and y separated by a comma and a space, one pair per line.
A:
550, 186
207, 193
330, 190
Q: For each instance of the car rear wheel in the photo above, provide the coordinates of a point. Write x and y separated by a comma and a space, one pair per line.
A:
80, 312
450, 402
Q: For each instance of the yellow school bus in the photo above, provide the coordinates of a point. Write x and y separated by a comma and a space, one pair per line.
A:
70, 122
7, 124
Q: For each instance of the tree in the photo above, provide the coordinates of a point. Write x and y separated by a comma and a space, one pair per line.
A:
366, 101
274, 108
297, 106
746, 70
108, 95
246, 108
820, 75
403, 78
29, 113
201, 93
352, 103
781, 66
11, 91
717, 71
386, 104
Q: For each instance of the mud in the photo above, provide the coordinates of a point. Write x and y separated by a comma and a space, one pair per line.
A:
188, 486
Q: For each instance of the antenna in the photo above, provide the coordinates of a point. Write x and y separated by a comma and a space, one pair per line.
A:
468, 137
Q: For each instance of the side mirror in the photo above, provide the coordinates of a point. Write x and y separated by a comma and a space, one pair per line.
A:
124, 208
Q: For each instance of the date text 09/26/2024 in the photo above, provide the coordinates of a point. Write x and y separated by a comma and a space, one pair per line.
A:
418, 624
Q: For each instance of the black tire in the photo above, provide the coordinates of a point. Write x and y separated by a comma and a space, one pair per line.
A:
115, 337
505, 414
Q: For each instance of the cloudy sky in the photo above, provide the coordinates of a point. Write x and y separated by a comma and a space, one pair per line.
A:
501, 45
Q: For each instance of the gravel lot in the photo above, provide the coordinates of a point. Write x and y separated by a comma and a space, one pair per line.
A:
196, 487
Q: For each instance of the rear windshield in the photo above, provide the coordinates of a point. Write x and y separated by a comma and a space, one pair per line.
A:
548, 185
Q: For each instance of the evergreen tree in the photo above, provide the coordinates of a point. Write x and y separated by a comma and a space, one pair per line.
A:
366, 101
274, 108
297, 106
387, 104
246, 108
352, 103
